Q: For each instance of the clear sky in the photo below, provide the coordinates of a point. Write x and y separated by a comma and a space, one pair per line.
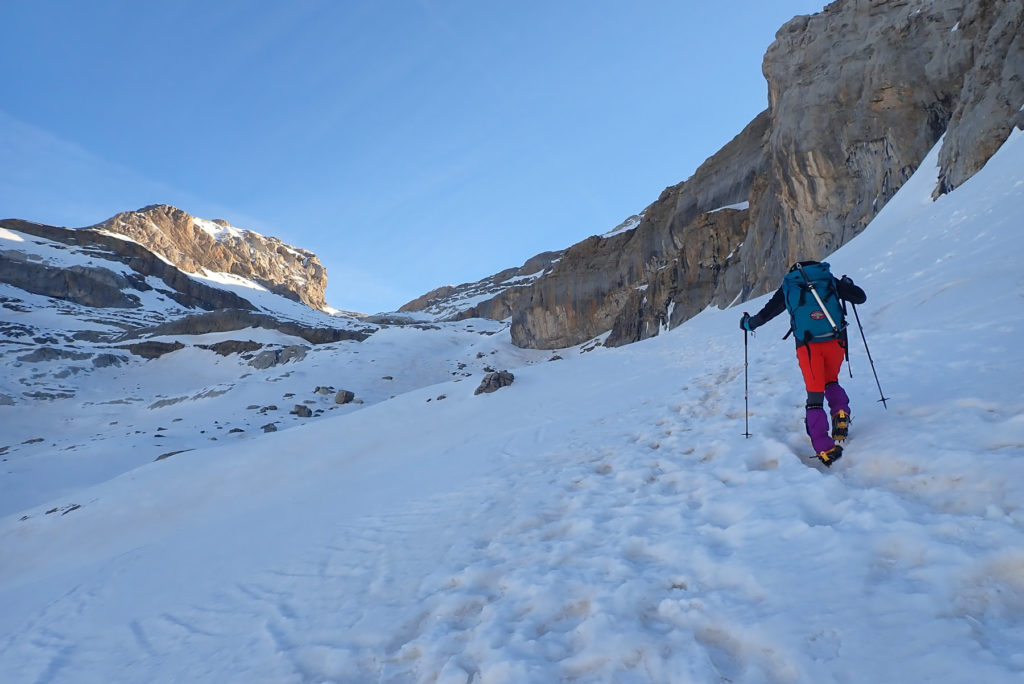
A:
409, 143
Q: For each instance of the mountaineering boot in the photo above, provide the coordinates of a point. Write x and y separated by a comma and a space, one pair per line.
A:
817, 429
839, 405
840, 425
831, 456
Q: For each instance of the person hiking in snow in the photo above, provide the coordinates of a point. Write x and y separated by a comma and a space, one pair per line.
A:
814, 299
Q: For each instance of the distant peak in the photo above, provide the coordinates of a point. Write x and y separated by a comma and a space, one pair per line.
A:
201, 246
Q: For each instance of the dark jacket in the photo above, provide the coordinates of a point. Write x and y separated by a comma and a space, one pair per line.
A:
777, 304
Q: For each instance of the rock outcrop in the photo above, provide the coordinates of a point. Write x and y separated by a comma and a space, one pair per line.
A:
857, 96
196, 246
96, 287
88, 286
495, 297
275, 357
152, 349
493, 382
227, 320
988, 43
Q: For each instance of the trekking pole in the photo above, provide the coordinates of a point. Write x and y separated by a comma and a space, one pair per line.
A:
849, 366
846, 342
746, 387
870, 360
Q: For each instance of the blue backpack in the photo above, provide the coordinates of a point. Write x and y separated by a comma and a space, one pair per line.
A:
808, 320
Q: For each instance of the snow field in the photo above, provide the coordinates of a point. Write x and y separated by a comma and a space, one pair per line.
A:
122, 418
602, 520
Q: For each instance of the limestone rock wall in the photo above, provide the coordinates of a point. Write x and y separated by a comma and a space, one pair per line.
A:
99, 287
680, 255
989, 40
857, 96
174, 234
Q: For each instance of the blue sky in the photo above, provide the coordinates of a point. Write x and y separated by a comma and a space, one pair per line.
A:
410, 144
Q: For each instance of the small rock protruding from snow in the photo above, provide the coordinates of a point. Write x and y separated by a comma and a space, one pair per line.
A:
492, 382
275, 357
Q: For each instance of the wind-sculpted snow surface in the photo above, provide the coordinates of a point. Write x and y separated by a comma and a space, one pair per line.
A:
602, 519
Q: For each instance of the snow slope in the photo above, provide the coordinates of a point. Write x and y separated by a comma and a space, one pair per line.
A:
602, 519
126, 416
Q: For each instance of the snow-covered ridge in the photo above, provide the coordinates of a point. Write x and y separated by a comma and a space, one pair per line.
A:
218, 231
203, 247
458, 301
629, 224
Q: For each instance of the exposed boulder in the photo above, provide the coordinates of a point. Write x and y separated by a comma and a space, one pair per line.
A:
344, 397
492, 382
302, 411
108, 360
275, 357
265, 359
229, 347
290, 353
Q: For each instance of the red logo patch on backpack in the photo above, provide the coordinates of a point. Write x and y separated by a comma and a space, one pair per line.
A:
818, 315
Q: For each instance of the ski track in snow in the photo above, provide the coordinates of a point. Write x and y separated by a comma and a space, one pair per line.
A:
601, 520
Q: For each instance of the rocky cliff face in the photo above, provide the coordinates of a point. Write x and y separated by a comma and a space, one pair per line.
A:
857, 96
495, 297
96, 299
99, 286
118, 289
197, 246
989, 43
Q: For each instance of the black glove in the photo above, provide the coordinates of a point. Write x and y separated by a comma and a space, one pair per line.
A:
847, 280
745, 323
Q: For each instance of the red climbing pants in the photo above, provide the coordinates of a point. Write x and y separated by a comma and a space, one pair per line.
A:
820, 362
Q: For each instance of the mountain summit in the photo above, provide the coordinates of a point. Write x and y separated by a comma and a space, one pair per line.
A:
199, 246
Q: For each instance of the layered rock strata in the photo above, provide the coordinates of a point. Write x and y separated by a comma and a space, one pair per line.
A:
197, 246
227, 320
857, 96
99, 287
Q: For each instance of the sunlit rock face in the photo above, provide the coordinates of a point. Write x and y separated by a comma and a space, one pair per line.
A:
857, 96
196, 246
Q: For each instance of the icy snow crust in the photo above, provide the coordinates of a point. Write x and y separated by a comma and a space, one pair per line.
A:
602, 519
